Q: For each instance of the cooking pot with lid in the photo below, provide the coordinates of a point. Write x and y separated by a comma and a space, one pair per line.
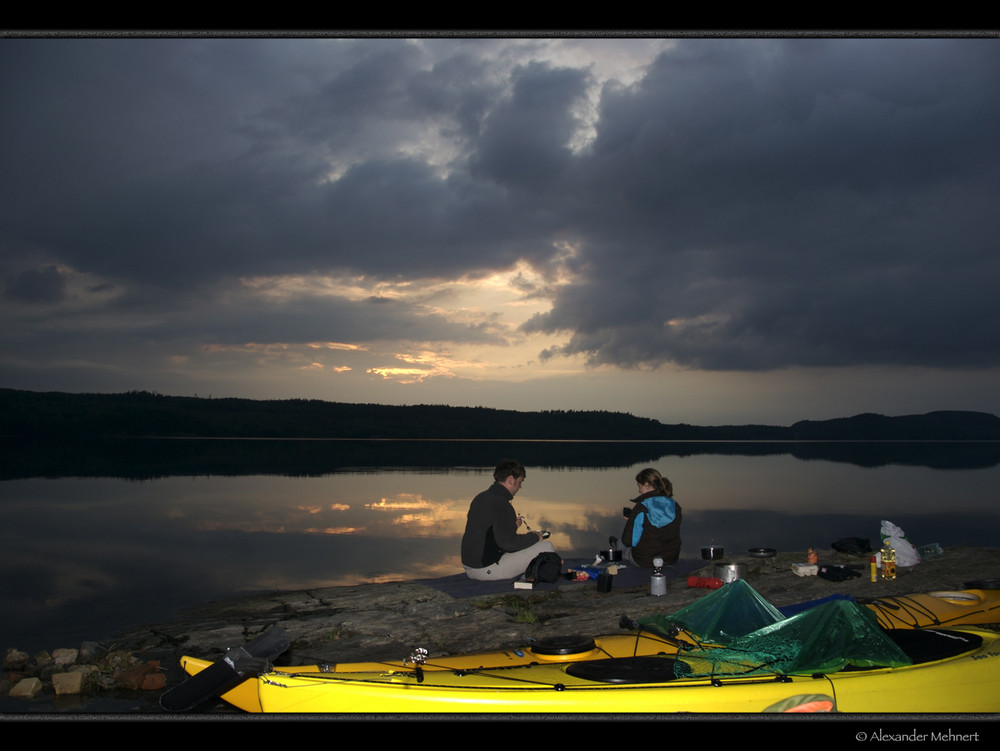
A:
713, 553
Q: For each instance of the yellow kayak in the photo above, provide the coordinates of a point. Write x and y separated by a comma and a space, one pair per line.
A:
965, 677
553, 650
961, 607
657, 668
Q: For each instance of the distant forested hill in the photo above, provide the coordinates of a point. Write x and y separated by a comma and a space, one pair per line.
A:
141, 413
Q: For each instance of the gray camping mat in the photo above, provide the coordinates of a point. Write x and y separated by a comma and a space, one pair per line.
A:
461, 586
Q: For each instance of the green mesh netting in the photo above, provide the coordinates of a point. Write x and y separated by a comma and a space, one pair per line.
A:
733, 610
823, 639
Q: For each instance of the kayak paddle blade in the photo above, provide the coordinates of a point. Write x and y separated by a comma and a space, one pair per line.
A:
252, 658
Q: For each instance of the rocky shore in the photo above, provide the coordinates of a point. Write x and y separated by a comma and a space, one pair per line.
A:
387, 621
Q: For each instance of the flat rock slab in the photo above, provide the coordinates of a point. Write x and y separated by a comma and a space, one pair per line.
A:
385, 622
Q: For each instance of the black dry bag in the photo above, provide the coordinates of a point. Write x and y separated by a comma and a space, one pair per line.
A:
544, 567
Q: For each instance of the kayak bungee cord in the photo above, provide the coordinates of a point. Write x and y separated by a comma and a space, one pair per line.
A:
897, 608
514, 674
423, 669
921, 614
382, 679
654, 634
422, 664
418, 667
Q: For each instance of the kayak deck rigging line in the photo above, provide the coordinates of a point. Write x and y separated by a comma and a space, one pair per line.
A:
919, 613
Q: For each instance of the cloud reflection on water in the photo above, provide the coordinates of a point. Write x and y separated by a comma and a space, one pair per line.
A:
86, 555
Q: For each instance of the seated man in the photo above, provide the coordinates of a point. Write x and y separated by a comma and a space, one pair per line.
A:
491, 547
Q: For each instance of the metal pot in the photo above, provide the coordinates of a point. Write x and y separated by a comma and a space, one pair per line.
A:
762, 552
713, 553
730, 572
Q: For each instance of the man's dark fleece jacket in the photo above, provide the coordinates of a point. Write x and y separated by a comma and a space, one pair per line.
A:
491, 529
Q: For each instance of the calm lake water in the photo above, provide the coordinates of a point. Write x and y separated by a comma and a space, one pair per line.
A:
101, 536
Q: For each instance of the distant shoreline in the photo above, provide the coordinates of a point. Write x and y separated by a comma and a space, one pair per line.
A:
145, 414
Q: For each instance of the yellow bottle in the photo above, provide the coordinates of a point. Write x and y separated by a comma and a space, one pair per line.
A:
888, 563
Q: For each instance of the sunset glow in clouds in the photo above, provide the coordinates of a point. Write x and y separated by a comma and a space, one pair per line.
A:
695, 230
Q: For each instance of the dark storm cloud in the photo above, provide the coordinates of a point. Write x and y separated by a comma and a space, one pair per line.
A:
139, 320
799, 202
524, 143
105, 181
41, 286
745, 204
328, 319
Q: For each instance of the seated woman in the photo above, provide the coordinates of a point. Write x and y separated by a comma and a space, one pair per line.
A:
653, 529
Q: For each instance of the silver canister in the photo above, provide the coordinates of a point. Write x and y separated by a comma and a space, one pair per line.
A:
730, 572
657, 582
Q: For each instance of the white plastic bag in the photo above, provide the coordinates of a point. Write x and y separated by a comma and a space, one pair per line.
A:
895, 538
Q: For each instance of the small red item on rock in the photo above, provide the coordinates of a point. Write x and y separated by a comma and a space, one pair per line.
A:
705, 582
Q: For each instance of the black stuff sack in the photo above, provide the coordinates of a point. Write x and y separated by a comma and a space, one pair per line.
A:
544, 567
836, 573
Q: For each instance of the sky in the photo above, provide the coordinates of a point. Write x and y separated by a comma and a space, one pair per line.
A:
710, 231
